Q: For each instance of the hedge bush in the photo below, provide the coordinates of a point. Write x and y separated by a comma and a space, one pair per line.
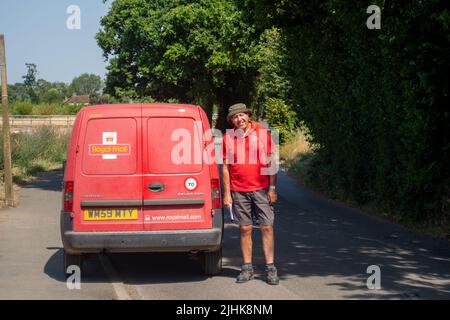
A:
375, 101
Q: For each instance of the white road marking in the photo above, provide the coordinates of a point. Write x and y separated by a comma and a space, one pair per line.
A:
120, 289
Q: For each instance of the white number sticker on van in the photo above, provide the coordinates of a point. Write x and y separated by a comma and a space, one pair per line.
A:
190, 184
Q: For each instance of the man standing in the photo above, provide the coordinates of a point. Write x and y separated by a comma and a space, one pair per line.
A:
249, 186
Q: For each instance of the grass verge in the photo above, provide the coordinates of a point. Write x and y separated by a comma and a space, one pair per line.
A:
39, 150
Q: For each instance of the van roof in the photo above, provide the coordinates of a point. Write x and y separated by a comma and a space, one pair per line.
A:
137, 106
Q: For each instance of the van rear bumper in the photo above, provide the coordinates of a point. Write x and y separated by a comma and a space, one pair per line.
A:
144, 241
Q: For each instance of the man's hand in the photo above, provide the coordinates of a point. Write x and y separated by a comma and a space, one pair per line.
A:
227, 200
272, 196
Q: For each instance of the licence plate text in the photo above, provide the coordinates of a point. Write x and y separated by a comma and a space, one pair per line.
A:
110, 214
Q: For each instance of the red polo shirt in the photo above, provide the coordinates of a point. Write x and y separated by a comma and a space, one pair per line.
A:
247, 156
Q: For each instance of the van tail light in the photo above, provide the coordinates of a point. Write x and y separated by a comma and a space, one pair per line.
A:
215, 194
68, 196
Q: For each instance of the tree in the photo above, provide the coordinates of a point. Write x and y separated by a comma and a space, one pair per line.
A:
203, 52
62, 88
273, 73
30, 81
273, 87
30, 77
18, 92
51, 96
41, 87
86, 84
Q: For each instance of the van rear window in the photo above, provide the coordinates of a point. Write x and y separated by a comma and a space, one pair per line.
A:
110, 146
174, 145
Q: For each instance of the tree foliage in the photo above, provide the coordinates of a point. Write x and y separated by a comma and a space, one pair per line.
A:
86, 84
42, 91
281, 117
29, 79
202, 52
272, 85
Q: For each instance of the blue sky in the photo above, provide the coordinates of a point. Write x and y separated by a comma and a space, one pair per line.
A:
36, 32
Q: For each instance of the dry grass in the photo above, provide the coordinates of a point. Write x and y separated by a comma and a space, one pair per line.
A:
297, 146
43, 149
296, 155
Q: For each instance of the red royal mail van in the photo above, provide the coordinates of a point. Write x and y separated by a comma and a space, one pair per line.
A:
142, 178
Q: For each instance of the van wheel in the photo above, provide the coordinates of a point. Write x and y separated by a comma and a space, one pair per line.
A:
212, 262
72, 260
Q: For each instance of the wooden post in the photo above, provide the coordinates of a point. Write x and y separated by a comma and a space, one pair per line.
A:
6, 139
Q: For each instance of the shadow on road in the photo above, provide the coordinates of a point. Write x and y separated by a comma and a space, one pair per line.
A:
319, 244
92, 269
327, 242
157, 268
50, 181
137, 268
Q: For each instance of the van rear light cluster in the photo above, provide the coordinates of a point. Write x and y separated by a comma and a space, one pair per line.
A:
215, 194
68, 196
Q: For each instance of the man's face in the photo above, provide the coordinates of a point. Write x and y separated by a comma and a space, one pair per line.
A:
240, 120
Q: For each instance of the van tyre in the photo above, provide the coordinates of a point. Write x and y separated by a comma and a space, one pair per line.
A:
72, 260
212, 262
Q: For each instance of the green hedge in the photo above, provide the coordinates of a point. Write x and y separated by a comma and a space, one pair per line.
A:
375, 101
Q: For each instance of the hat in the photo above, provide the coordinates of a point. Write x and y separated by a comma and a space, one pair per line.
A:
238, 108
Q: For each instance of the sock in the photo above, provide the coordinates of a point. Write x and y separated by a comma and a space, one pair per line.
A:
270, 266
247, 266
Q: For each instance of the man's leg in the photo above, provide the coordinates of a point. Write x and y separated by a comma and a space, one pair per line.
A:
266, 217
268, 248
268, 243
242, 211
246, 247
265, 214
246, 243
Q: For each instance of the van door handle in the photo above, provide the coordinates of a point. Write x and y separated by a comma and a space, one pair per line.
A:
156, 187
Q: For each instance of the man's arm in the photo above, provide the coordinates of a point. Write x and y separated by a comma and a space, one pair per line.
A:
272, 194
227, 200
273, 179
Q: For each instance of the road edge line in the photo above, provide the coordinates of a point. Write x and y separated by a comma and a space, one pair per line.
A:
119, 287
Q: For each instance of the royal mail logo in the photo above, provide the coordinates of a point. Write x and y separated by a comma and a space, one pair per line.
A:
110, 149
119, 149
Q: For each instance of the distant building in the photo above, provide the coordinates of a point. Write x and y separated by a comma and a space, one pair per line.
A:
76, 100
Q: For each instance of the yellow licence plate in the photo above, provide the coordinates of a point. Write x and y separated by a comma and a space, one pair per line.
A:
110, 214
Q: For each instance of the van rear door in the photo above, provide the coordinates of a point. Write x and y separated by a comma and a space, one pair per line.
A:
176, 182
108, 180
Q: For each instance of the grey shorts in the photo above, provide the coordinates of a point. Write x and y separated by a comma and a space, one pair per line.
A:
255, 202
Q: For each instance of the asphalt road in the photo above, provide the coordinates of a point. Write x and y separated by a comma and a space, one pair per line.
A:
323, 250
